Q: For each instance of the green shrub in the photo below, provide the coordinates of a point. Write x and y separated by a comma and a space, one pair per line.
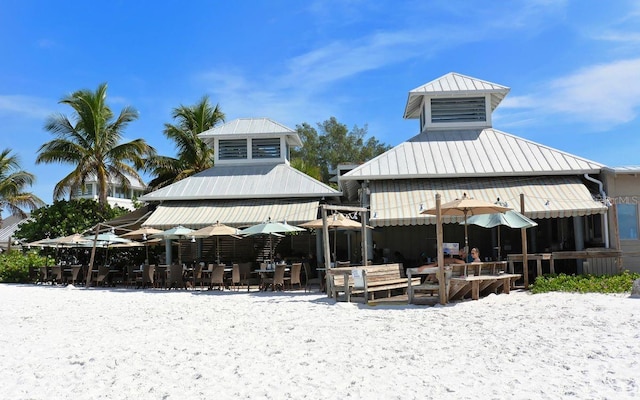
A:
620, 283
14, 265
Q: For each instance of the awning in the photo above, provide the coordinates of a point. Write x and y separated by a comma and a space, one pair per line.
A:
238, 213
399, 202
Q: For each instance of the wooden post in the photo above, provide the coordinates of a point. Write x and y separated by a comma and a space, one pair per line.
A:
440, 254
616, 232
93, 257
525, 262
326, 249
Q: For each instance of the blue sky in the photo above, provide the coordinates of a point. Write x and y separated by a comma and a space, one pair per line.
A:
573, 66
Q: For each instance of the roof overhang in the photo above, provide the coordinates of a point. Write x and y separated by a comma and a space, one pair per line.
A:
399, 202
236, 213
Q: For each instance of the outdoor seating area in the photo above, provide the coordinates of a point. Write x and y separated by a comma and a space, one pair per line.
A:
236, 276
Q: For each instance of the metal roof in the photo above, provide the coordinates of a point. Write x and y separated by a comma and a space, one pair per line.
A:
236, 213
8, 226
251, 127
244, 182
451, 85
399, 202
460, 153
625, 170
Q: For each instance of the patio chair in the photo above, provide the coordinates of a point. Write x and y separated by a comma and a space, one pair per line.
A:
100, 276
197, 275
247, 277
176, 278
43, 276
278, 278
148, 276
217, 277
56, 274
294, 278
236, 277
309, 282
75, 272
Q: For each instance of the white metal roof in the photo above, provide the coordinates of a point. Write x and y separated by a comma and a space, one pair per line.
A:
237, 213
251, 127
399, 202
487, 152
8, 226
451, 85
244, 182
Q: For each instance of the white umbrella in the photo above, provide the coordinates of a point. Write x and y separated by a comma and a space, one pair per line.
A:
142, 234
217, 230
179, 232
337, 221
270, 228
467, 206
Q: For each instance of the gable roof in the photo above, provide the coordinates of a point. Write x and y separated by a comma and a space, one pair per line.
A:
451, 85
244, 182
250, 127
466, 153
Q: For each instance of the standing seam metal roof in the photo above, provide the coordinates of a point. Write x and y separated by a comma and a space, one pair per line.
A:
459, 153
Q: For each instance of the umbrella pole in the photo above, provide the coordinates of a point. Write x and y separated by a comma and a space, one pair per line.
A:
499, 247
466, 234
218, 249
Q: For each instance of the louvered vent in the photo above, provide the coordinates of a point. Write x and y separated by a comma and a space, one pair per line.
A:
265, 148
467, 109
232, 149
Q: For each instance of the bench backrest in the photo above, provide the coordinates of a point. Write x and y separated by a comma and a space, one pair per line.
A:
374, 273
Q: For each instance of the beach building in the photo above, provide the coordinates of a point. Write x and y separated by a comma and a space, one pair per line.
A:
457, 151
251, 182
117, 195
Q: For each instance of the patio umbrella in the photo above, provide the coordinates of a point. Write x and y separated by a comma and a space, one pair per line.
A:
105, 240
217, 230
337, 221
510, 218
270, 228
142, 234
70, 240
466, 207
179, 232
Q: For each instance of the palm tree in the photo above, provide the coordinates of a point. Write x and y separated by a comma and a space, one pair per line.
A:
93, 144
13, 181
193, 154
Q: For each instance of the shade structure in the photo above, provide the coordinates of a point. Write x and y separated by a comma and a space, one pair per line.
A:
510, 218
466, 207
142, 234
337, 221
70, 240
270, 228
179, 232
216, 230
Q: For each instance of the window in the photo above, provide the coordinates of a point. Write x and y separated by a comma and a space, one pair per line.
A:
265, 148
232, 149
465, 109
628, 221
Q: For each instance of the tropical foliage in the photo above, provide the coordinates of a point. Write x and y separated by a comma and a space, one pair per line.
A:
65, 218
620, 283
13, 183
91, 141
193, 154
335, 144
14, 265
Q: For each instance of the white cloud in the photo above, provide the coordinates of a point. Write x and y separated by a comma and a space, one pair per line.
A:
603, 94
27, 106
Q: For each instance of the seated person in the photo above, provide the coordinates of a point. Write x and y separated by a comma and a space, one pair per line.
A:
475, 255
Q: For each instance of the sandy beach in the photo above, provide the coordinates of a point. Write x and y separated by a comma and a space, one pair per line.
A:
76, 343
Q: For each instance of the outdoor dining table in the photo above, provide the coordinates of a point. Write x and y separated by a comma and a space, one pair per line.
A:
271, 269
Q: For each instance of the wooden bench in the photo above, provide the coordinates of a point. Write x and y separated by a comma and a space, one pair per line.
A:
480, 279
431, 287
367, 280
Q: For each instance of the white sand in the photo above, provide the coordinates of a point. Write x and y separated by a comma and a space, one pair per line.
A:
68, 343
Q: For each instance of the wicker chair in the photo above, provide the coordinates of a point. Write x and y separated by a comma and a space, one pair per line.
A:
217, 277
294, 278
309, 282
176, 278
